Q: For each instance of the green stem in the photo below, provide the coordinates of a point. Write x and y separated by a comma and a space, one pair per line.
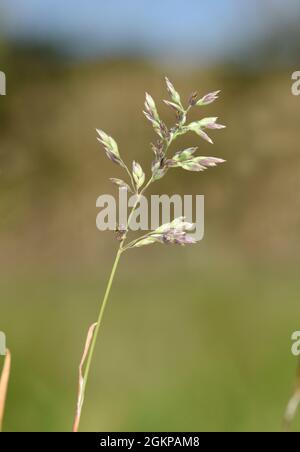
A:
102, 310
100, 317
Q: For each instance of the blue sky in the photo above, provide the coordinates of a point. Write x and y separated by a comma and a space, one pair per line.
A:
201, 29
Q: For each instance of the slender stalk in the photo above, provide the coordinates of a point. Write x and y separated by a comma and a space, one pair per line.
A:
102, 309
94, 339
91, 350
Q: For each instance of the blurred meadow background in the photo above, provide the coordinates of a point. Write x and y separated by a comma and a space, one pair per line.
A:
193, 338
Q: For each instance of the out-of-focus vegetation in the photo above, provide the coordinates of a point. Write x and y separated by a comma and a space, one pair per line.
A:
201, 340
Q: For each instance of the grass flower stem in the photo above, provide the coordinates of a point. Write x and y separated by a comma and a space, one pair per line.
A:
91, 349
93, 342
168, 233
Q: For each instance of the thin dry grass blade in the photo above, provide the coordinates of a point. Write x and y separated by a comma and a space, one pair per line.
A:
4, 385
293, 404
80, 397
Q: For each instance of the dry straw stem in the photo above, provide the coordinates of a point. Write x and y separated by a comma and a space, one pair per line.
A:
293, 404
4, 385
81, 380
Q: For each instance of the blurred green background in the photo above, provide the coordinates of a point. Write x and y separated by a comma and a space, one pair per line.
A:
194, 338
